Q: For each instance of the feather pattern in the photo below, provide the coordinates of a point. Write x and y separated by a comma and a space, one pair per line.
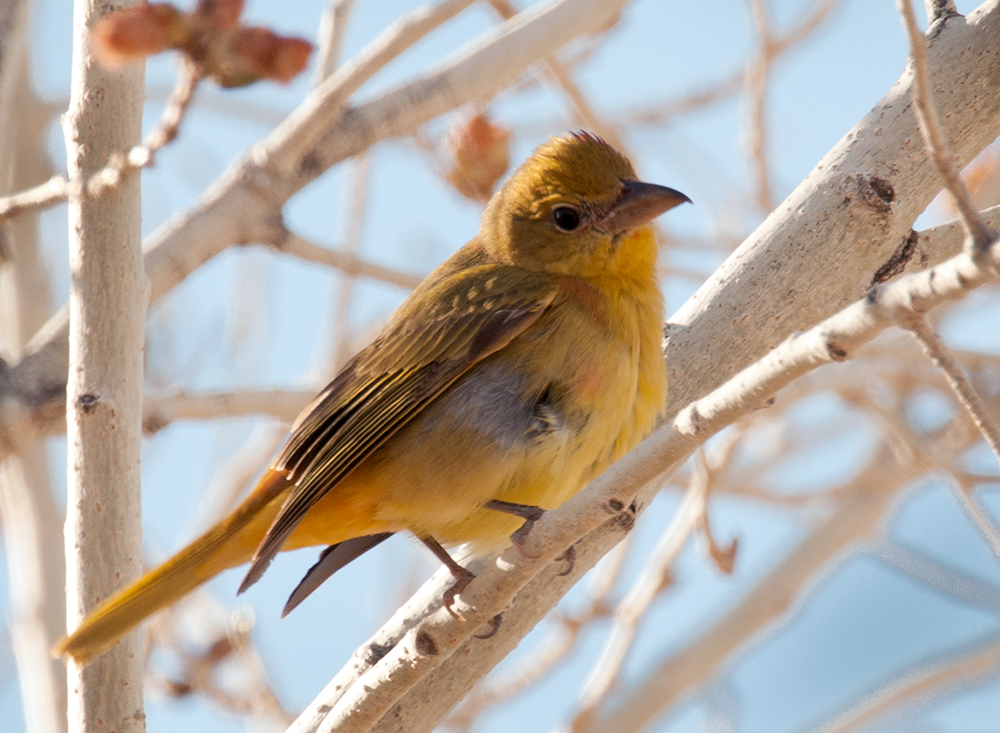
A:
395, 378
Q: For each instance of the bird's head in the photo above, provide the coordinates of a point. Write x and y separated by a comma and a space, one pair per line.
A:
575, 208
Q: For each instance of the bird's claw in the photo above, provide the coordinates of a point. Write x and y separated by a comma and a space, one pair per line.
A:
569, 556
494, 624
519, 538
448, 599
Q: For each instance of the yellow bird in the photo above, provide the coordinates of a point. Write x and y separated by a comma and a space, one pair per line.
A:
519, 370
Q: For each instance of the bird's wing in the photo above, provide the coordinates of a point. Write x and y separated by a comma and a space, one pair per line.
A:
468, 314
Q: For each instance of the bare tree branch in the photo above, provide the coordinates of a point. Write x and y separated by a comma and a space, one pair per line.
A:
929, 681
110, 177
297, 246
930, 127
108, 296
30, 517
284, 404
331, 37
862, 197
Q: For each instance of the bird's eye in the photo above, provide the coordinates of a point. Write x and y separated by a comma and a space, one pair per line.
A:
566, 217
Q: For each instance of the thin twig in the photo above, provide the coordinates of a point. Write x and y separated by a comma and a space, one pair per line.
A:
757, 76
585, 113
981, 236
654, 578
927, 682
357, 203
967, 395
980, 519
161, 410
298, 246
331, 37
59, 188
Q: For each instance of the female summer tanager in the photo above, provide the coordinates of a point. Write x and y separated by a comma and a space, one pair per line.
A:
516, 372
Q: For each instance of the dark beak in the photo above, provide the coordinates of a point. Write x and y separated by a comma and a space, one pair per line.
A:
638, 204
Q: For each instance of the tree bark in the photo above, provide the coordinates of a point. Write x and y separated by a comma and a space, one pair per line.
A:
107, 314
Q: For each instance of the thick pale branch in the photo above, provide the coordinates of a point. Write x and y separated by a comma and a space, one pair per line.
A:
847, 222
103, 402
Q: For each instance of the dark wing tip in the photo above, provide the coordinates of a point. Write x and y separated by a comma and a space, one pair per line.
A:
257, 568
332, 559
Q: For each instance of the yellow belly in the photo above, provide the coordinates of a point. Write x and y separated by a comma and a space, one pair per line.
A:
434, 476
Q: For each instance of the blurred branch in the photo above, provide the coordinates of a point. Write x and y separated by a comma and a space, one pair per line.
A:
765, 604
757, 75
298, 246
29, 514
283, 404
917, 688
980, 519
967, 396
357, 203
939, 577
655, 577
331, 37
561, 74
781, 43
60, 187
214, 657
232, 478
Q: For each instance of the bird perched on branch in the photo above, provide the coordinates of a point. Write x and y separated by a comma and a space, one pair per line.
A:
514, 374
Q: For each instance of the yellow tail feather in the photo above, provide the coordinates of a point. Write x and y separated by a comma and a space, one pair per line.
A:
227, 544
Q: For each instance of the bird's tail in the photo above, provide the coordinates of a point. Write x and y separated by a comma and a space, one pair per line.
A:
229, 543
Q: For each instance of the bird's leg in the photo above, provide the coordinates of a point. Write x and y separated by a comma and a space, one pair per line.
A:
530, 515
462, 576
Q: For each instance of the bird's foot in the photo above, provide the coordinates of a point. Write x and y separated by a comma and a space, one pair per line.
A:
462, 576
530, 515
462, 579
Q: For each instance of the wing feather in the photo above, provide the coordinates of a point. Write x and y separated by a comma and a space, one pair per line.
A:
449, 326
